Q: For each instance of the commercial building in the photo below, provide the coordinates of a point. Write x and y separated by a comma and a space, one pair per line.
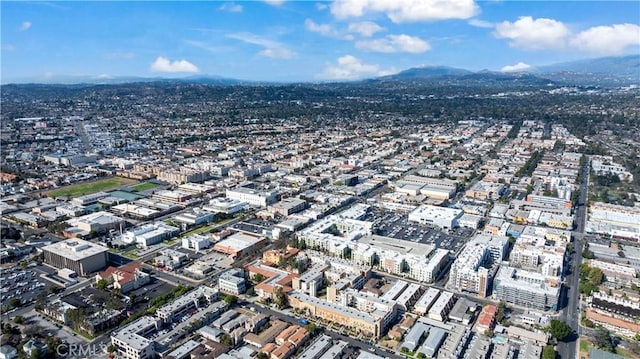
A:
150, 234
97, 222
239, 244
252, 196
442, 217
89, 198
526, 289
78, 255
225, 205
289, 206
195, 218
614, 221
171, 196
196, 242
131, 342
232, 281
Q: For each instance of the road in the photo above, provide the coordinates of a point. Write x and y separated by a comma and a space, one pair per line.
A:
570, 314
352, 342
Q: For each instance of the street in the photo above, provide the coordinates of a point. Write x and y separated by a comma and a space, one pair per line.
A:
570, 314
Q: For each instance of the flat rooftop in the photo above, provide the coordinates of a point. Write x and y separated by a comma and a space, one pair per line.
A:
75, 249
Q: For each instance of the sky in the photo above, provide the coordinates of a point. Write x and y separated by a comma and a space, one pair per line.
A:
284, 41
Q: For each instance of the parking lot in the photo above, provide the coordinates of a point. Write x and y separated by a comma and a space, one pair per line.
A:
23, 284
50, 328
396, 226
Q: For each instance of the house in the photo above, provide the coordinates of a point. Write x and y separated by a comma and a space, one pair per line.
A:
126, 278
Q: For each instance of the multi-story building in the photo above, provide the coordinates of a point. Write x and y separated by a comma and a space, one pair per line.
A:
224, 205
131, 342
289, 206
252, 196
78, 255
526, 289
374, 323
232, 281
196, 242
475, 266
190, 301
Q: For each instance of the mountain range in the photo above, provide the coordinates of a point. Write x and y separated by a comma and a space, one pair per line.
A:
608, 70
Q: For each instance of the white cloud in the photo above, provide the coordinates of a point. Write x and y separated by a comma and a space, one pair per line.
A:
277, 53
351, 68
162, 64
400, 11
534, 34
365, 28
395, 43
321, 6
272, 48
231, 7
25, 26
607, 40
520, 66
274, 2
325, 30
481, 23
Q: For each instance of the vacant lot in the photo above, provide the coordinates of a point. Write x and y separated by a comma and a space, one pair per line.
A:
90, 187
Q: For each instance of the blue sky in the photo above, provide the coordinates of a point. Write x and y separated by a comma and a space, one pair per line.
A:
279, 40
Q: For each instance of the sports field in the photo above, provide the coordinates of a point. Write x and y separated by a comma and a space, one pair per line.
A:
76, 190
144, 186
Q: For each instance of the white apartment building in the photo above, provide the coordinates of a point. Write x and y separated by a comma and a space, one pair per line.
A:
131, 342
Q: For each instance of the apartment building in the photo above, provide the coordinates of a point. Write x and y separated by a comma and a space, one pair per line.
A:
526, 289
131, 342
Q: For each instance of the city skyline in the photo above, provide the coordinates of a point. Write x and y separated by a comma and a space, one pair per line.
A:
304, 41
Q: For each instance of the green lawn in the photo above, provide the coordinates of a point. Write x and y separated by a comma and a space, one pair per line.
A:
200, 230
144, 186
90, 187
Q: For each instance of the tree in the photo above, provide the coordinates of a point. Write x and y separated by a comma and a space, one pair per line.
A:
35, 353
257, 278
251, 291
421, 355
102, 284
18, 319
559, 329
602, 339
230, 299
14, 302
548, 352
262, 355
279, 298
311, 328
111, 348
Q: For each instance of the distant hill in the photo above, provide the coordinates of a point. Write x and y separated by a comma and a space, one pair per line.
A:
625, 67
607, 70
427, 72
